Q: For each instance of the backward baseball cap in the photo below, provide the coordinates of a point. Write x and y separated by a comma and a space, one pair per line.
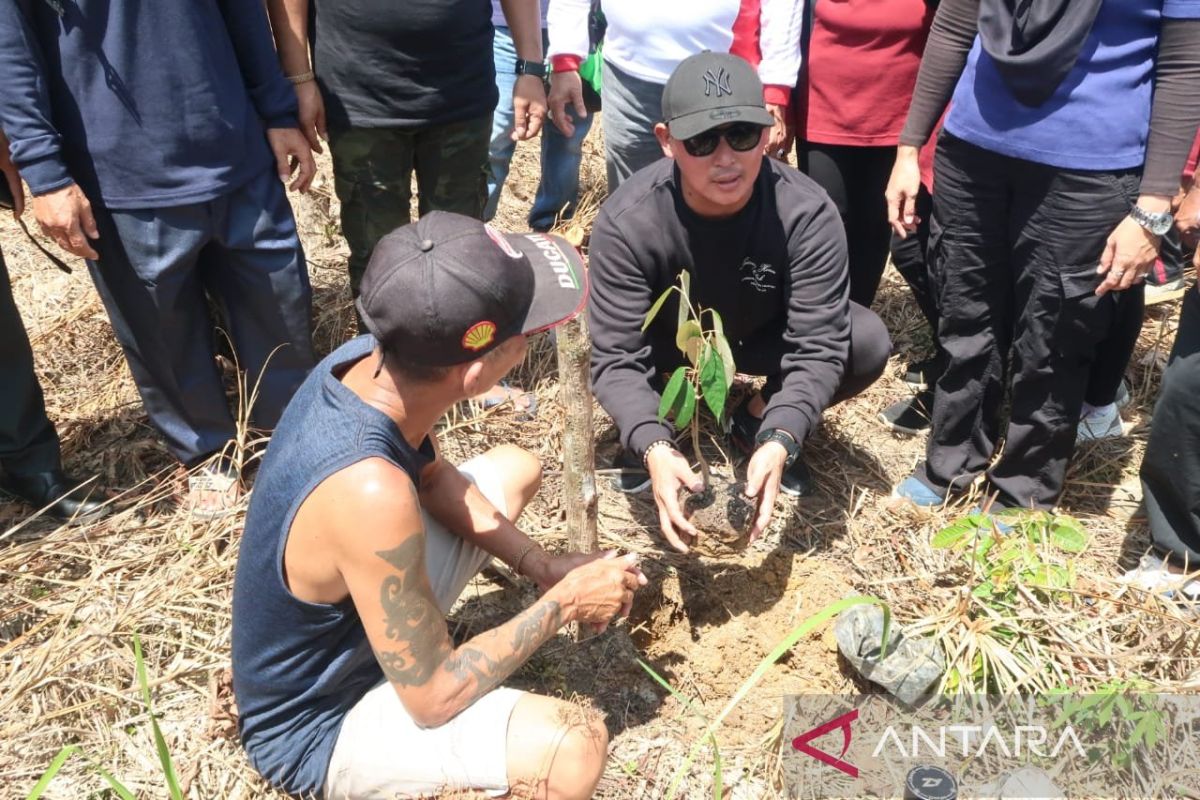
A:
448, 288
710, 89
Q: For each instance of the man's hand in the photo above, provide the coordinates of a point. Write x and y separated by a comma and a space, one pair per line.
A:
292, 154
669, 470
1187, 216
600, 590
529, 107
12, 177
762, 482
312, 114
65, 215
1130, 251
547, 570
566, 95
779, 140
902, 189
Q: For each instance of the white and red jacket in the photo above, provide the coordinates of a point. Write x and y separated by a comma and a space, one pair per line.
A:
648, 38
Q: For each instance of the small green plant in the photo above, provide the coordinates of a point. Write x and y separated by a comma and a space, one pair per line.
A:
787, 643
1017, 558
1122, 714
118, 788
709, 374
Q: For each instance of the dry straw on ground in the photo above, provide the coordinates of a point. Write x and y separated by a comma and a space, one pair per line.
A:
73, 598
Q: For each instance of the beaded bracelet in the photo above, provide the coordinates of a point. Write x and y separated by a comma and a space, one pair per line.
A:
651, 447
521, 557
303, 77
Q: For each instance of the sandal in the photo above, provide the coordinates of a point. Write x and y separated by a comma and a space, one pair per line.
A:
524, 403
214, 479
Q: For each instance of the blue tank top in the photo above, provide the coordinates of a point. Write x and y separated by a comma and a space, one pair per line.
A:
298, 667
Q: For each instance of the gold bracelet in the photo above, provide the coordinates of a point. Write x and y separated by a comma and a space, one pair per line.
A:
521, 557
303, 77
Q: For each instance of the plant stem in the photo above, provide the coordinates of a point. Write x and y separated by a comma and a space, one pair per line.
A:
704, 473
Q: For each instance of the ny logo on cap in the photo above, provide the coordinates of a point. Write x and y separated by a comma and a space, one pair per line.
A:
719, 82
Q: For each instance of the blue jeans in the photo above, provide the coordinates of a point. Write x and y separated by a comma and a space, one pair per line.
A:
155, 268
558, 188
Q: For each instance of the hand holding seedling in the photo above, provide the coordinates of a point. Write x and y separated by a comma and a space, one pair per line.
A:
669, 471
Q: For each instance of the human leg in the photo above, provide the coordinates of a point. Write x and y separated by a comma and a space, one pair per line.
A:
558, 189
451, 162
1060, 223
372, 175
500, 150
855, 179
1170, 470
256, 268
28, 441
632, 106
147, 277
556, 750
969, 260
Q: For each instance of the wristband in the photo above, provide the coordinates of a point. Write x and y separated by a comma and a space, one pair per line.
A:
651, 447
564, 63
303, 77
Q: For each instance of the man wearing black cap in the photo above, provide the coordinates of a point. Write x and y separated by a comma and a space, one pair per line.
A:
765, 248
359, 538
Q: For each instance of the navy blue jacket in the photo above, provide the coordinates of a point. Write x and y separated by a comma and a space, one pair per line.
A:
143, 103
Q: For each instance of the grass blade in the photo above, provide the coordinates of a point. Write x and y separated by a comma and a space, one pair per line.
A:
56, 764
160, 742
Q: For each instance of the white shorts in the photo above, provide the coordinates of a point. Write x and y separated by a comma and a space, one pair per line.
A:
380, 752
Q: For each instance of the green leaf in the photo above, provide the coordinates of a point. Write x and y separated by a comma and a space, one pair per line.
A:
712, 381
687, 408
56, 764
953, 533
671, 393
160, 742
718, 776
685, 297
654, 309
115, 784
1068, 536
722, 345
689, 330
718, 323
984, 590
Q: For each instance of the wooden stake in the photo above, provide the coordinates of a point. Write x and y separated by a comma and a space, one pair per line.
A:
579, 448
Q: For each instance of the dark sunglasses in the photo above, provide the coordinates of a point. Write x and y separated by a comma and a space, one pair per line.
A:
742, 136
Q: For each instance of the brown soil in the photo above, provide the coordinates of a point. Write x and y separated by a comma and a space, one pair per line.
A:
722, 514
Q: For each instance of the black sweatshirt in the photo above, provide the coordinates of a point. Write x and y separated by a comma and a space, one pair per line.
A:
776, 273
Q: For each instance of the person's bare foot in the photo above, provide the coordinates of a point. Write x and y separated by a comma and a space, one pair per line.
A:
213, 490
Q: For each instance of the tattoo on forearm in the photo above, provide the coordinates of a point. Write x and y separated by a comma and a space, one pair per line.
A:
413, 622
470, 661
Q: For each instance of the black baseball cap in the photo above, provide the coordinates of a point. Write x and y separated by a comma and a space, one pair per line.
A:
710, 89
448, 288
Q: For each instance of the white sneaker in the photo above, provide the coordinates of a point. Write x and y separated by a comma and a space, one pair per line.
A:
1152, 575
1101, 423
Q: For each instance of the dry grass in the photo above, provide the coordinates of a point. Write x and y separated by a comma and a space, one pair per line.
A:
74, 597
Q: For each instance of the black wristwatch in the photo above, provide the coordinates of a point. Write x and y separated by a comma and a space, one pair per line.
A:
784, 438
534, 68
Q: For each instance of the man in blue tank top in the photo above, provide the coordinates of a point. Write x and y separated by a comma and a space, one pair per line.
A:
360, 537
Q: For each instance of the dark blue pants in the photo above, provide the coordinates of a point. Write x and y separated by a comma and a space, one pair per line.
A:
28, 442
155, 267
1171, 467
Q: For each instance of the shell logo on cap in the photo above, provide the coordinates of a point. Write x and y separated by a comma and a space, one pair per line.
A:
479, 335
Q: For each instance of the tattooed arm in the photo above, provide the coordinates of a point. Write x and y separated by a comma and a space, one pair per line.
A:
380, 549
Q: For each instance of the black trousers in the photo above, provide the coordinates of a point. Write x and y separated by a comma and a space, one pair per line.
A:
855, 179
1013, 252
28, 442
1171, 467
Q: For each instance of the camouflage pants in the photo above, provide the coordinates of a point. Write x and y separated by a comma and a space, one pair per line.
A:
373, 169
